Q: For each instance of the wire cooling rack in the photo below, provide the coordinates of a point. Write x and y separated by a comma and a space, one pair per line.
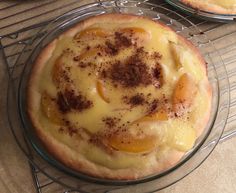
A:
28, 18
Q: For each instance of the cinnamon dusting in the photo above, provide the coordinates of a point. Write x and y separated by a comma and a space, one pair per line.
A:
69, 100
135, 100
110, 122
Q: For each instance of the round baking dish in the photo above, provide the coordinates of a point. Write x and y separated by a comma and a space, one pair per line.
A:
80, 182
211, 16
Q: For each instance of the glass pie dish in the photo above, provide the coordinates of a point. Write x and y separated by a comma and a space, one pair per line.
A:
211, 16
39, 156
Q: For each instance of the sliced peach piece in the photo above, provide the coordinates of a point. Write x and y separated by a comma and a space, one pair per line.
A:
101, 91
137, 30
175, 51
96, 31
133, 144
88, 54
50, 109
184, 94
161, 115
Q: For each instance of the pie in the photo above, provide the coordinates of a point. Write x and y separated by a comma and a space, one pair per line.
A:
119, 96
213, 6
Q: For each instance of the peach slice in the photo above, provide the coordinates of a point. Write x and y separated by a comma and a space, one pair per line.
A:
184, 94
133, 144
101, 91
91, 32
137, 30
161, 115
175, 51
50, 109
88, 54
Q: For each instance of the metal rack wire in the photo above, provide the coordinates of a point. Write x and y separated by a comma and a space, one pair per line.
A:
16, 31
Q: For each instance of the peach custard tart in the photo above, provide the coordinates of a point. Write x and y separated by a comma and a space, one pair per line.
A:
213, 6
119, 96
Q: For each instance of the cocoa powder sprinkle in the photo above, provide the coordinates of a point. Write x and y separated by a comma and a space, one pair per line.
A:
76, 58
130, 74
72, 131
110, 48
135, 100
69, 100
77, 102
121, 40
153, 106
110, 122
63, 106
157, 75
134, 71
156, 56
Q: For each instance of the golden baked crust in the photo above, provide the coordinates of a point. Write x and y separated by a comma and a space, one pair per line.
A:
213, 6
79, 148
